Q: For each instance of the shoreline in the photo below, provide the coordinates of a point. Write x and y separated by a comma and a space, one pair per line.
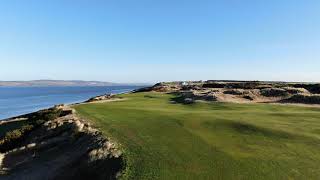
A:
87, 149
69, 104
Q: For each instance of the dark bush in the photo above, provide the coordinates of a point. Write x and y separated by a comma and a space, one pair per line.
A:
214, 85
293, 90
312, 88
46, 115
243, 85
300, 98
14, 138
274, 92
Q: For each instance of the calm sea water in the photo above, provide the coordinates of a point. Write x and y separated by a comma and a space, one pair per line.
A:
21, 100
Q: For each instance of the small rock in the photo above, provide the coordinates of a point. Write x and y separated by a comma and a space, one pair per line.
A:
31, 145
188, 101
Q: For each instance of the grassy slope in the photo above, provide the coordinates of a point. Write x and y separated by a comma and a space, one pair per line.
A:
211, 140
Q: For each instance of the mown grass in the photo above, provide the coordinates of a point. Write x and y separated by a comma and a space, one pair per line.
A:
210, 140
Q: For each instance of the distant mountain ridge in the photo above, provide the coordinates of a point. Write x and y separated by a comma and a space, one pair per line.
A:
59, 83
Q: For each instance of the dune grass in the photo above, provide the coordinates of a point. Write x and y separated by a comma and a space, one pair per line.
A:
163, 140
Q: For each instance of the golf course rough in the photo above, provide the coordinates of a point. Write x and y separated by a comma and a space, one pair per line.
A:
165, 140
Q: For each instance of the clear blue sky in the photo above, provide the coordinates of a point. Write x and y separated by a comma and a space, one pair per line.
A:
160, 40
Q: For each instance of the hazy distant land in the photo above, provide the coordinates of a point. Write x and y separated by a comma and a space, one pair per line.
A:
35, 83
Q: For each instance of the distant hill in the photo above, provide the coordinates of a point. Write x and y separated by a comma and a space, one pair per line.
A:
59, 83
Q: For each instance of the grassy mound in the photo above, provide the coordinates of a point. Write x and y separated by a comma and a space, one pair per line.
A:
205, 140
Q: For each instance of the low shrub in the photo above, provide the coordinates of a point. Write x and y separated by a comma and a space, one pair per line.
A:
243, 85
274, 92
14, 138
46, 115
214, 85
312, 88
234, 92
302, 98
293, 90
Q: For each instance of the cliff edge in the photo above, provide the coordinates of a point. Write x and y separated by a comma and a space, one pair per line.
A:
56, 144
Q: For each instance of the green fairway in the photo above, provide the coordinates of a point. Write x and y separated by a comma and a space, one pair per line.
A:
163, 140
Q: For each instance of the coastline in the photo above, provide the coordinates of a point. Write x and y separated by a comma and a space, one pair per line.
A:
83, 151
14, 104
220, 91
